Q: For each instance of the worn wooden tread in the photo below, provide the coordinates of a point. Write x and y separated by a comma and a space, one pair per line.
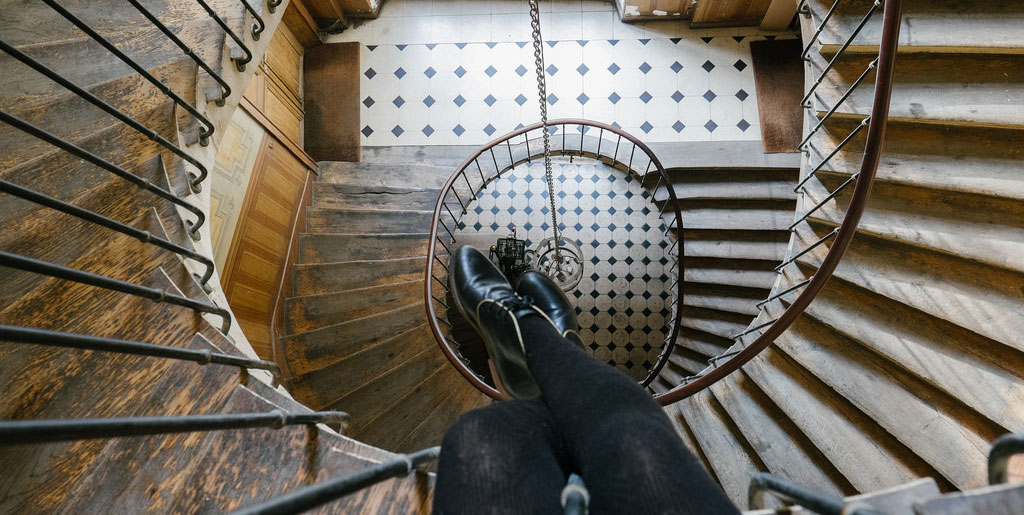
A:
378, 197
365, 221
338, 246
315, 311
319, 278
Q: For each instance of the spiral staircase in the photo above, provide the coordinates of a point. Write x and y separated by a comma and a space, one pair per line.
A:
906, 364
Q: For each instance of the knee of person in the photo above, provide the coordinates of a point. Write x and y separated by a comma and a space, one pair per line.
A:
470, 430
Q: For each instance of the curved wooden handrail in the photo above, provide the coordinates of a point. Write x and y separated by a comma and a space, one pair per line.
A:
673, 201
847, 230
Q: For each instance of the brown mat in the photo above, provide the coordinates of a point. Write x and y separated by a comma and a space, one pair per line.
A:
332, 102
779, 76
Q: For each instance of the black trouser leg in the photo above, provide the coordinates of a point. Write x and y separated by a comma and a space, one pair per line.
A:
623, 444
505, 458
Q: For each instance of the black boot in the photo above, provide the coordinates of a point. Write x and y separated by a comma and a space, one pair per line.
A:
486, 299
548, 297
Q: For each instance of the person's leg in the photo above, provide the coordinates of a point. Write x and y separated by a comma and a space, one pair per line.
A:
503, 458
630, 457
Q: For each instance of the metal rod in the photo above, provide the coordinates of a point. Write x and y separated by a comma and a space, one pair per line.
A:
323, 492
600, 138
496, 169
810, 499
59, 430
817, 32
847, 139
824, 201
752, 329
206, 129
439, 240
791, 289
440, 281
714, 360
526, 137
616, 155
806, 250
71, 148
195, 182
468, 185
109, 223
257, 27
272, 5
225, 89
443, 303
575, 497
843, 99
446, 226
1003, 448
83, 341
71, 274
461, 203
841, 51
442, 263
631, 152
582, 132
239, 62
481, 171
508, 145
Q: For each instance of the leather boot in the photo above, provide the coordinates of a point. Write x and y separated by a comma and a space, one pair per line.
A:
485, 298
550, 299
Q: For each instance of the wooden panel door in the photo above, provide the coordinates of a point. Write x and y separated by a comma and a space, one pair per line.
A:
259, 249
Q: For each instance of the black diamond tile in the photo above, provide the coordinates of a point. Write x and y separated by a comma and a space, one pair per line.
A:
551, 100
400, 72
678, 126
711, 126
614, 68
614, 98
367, 131
646, 97
678, 96
646, 127
428, 101
370, 73
676, 67
521, 70
742, 95
490, 100
490, 71
739, 65
551, 69
368, 102
430, 72
644, 68
582, 99
708, 66
520, 99
743, 125
582, 69
459, 100
458, 130
709, 95
489, 129
460, 71
398, 101
397, 130
427, 131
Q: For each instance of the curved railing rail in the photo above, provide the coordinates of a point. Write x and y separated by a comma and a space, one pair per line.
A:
611, 145
841, 237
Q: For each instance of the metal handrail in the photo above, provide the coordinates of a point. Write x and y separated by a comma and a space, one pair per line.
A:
847, 230
1003, 448
33, 335
324, 492
259, 25
75, 150
437, 224
14, 432
196, 181
241, 61
207, 126
225, 89
98, 219
101, 281
818, 502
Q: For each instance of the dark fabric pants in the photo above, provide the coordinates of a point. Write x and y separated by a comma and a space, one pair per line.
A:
515, 456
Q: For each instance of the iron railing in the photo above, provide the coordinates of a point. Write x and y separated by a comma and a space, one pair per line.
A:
579, 138
841, 237
815, 501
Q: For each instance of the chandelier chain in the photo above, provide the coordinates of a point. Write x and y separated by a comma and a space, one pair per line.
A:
538, 56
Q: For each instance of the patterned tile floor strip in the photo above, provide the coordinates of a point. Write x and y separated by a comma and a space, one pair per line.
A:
622, 300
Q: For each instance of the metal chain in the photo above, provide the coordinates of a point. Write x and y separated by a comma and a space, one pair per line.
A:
538, 56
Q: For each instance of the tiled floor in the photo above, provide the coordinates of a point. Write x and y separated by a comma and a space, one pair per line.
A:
622, 300
462, 72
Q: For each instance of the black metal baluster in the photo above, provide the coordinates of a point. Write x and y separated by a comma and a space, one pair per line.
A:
71, 148
14, 432
272, 5
196, 181
32, 335
207, 126
80, 276
96, 218
225, 89
258, 26
241, 61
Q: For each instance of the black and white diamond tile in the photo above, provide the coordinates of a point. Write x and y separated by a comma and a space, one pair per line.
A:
621, 300
661, 89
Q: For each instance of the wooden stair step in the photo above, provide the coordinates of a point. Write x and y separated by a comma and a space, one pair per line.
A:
686, 434
741, 273
731, 183
334, 248
366, 221
867, 456
316, 311
433, 428
320, 278
776, 440
974, 296
319, 348
758, 215
974, 369
394, 175
963, 159
687, 361
706, 344
731, 459
1004, 499
975, 26
899, 500
365, 403
322, 385
719, 323
448, 156
936, 427
278, 460
732, 299
735, 244
984, 228
377, 197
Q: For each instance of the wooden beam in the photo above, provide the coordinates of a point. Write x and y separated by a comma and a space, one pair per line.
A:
729, 13
300, 21
780, 14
